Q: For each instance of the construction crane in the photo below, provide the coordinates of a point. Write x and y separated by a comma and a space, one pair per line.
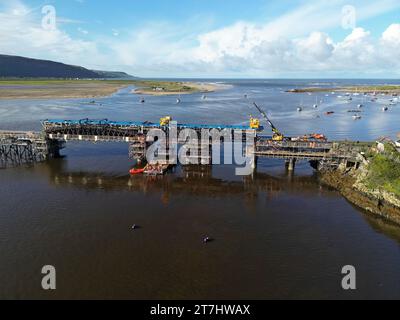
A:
277, 136
165, 121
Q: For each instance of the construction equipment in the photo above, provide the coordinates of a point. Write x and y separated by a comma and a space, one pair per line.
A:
254, 123
277, 136
165, 121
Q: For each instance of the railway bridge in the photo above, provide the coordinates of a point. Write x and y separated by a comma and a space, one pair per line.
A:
26, 147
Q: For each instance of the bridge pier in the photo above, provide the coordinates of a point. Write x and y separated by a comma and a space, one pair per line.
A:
291, 164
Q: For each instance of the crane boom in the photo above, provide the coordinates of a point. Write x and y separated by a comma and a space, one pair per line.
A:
277, 134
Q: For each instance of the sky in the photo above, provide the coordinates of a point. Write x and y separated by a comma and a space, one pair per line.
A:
210, 38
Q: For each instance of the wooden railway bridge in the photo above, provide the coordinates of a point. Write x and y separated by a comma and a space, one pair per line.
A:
28, 147
23, 147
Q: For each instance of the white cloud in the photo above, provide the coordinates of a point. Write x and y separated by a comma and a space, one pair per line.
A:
392, 35
296, 43
21, 33
83, 31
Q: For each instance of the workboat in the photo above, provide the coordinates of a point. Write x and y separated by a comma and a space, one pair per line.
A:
136, 171
313, 137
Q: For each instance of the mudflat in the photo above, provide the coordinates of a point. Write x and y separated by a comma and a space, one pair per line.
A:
58, 89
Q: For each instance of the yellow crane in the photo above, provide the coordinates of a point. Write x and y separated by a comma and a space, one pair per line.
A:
165, 121
277, 135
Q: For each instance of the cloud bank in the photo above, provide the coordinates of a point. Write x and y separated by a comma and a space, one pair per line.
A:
290, 45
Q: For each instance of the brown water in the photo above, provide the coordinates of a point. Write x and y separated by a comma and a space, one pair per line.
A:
275, 235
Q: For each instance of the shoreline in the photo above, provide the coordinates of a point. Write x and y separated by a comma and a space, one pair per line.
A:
371, 186
57, 91
380, 89
186, 88
91, 89
345, 184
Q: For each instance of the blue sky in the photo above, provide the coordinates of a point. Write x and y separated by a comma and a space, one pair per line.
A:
211, 38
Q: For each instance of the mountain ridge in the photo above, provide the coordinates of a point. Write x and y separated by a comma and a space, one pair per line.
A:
22, 67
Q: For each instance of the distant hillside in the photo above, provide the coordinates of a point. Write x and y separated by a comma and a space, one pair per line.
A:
114, 74
20, 67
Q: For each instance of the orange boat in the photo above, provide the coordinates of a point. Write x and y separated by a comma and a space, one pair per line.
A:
136, 171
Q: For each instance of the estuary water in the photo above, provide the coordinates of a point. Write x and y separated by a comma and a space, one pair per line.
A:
275, 234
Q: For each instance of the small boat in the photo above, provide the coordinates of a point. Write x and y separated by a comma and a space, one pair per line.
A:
385, 109
329, 113
142, 100
204, 97
178, 101
315, 106
397, 143
136, 171
299, 109
355, 111
359, 106
356, 117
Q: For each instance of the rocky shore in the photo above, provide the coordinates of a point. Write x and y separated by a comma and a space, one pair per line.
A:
351, 183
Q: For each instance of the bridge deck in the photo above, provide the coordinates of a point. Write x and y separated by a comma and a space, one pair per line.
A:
57, 131
134, 125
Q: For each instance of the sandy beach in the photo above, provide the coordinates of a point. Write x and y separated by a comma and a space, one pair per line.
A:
187, 88
54, 89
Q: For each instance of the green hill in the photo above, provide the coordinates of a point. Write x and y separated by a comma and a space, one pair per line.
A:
21, 67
